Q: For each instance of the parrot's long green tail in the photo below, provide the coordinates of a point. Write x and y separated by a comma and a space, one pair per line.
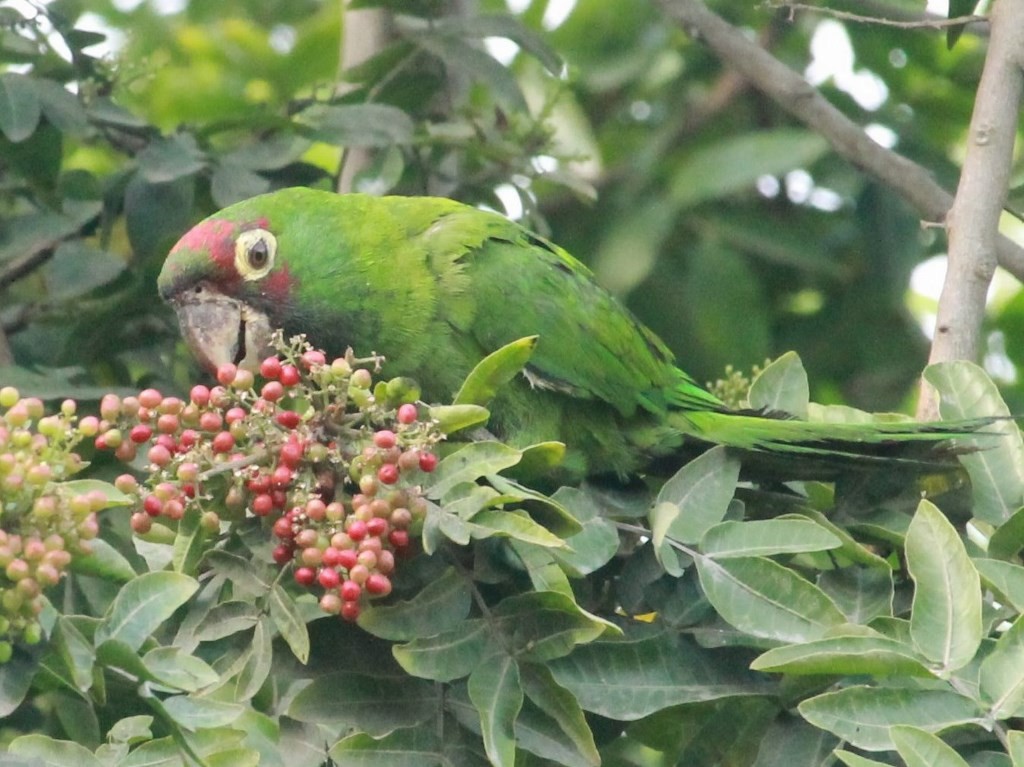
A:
922, 445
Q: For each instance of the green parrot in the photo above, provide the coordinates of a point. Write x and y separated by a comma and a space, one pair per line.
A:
436, 285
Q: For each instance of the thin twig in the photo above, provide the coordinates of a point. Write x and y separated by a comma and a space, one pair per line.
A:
794, 94
925, 23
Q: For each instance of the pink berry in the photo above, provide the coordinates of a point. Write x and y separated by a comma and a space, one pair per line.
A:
305, 576
199, 395
272, 391
140, 433
384, 438
150, 398
270, 368
289, 419
289, 375
226, 374
407, 413
388, 473
378, 585
223, 442
329, 578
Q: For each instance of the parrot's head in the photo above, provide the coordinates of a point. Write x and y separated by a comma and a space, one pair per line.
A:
228, 286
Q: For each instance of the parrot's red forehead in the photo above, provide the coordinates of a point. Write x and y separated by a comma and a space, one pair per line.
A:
216, 238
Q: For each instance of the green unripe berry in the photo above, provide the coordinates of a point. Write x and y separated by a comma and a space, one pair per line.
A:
8, 396
33, 634
361, 379
7, 651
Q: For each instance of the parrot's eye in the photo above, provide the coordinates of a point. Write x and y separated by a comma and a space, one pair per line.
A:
254, 253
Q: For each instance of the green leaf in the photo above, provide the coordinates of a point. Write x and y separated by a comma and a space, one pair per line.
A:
104, 561
194, 713
376, 705
142, 605
188, 544
369, 125
851, 759
258, 663
863, 715
561, 705
288, 621
114, 497
447, 656
945, 619
754, 538
475, 460
411, 747
227, 618
695, 499
631, 679
494, 371
495, 690
233, 183
1016, 747
15, 679
78, 267
1008, 538
53, 753
61, 107
19, 106
513, 524
179, 669
131, 729
543, 625
440, 606
453, 418
851, 547
171, 158
76, 651
1002, 673
920, 748
781, 387
1005, 578
595, 545
849, 655
733, 164
504, 25
996, 465
476, 65
765, 599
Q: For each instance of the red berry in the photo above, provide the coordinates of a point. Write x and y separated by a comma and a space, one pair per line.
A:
159, 455
350, 591
262, 505
330, 557
428, 462
259, 483
289, 375
329, 578
188, 439
281, 477
270, 368
407, 413
140, 433
399, 538
150, 398
225, 374
291, 454
356, 530
313, 357
283, 525
347, 558
223, 442
167, 423
272, 391
199, 395
289, 419
316, 509
384, 438
210, 421
378, 585
153, 506
280, 498
282, 554
234, 415
388, 473
377, 526
349, 610
305, 576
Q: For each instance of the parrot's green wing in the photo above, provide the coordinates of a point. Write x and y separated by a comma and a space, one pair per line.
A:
589, 347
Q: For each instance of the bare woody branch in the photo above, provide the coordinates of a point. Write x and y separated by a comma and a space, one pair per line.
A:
973, 221
928, 22
790, 91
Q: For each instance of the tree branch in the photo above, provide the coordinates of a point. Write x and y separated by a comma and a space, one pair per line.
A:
791, 92
927, 22
973, 220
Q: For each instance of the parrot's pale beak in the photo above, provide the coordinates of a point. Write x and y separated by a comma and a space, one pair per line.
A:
220, 329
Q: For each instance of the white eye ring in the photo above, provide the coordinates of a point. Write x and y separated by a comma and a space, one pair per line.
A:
254, 253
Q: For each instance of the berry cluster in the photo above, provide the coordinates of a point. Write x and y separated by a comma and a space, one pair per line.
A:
331, 460
44, 521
